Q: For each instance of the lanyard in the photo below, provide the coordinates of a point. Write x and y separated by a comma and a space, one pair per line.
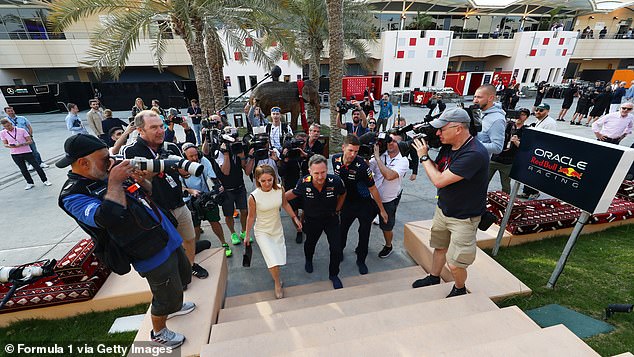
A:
15, 136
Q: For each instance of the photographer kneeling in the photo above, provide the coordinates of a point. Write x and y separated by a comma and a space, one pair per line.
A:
460, 173
127, 228
204, 191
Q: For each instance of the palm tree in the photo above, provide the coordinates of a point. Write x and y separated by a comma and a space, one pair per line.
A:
309, 18
335, 40
421, 22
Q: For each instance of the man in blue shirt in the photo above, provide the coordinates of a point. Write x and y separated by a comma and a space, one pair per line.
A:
127, 228
493, 119
73, 122
385, 112
22, 123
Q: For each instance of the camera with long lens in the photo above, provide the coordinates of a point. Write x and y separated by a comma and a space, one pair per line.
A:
160, 165
259, 143
211, 135
369, 139
294, 147
421, 129
343, 106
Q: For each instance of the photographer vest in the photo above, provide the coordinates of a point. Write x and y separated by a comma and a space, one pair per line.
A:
135, 235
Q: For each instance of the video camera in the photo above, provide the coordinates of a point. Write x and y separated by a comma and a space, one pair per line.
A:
369, 139
208, 200
294, 146
211, 135
259, 143
229, 137
160, 165
343, 105
174, 116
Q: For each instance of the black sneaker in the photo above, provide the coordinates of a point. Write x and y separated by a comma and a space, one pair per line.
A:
385, 252
363, 269
336, 282
199, 272
308, 267
426, 281
457, 292
299, 238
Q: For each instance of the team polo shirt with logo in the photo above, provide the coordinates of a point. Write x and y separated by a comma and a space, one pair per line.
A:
319, 203
357, 177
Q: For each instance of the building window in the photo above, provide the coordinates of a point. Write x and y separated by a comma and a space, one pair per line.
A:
535, 75
434, 77
408, 78
525, 75
242, 83
425, 78
550, 75
253, 80
400, 54
397, 79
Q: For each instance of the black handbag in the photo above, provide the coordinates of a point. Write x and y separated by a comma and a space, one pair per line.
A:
246, 258
486, 220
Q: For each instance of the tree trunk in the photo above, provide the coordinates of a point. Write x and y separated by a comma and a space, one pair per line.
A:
313, 73
335, 35
196, 52
215, 62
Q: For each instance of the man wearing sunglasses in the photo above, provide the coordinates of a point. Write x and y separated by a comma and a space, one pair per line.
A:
460, 174
612, 128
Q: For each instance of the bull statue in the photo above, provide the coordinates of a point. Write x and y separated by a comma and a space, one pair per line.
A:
286, 96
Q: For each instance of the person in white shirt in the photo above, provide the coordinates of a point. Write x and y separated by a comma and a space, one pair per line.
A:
277, 130
389, 169
544, 121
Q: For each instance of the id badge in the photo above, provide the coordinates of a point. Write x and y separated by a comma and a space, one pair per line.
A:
171, 181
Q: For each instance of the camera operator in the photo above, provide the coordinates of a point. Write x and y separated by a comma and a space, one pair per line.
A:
272, 160
277, 130
294, 166
367, 106
313, 145
232, 165
196, 187
493, 119
436, 107
167, 190
389, 169
503, 161
116, 219
412, 156
322, 195
359, 125
361, 192
460, 174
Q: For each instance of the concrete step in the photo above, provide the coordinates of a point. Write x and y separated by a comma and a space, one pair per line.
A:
326, 285
485, 274
352, 327
265, 308
625, 354
331, 311
208, 295
552, 341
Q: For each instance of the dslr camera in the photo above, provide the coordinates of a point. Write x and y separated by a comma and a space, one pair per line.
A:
294, 146
343, 105
369, 139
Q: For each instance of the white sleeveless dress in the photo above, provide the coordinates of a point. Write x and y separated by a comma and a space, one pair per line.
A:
268, 229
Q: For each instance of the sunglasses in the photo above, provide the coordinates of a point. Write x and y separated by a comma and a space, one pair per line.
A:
539, 110
372, 122
626, 108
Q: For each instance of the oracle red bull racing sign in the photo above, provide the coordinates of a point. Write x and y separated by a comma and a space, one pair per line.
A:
583, 172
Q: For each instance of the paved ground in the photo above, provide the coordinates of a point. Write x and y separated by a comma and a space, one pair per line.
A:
35, 228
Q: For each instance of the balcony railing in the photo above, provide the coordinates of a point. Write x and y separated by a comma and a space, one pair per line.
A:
23, 35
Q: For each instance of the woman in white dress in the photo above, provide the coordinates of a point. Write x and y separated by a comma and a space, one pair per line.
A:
264, 210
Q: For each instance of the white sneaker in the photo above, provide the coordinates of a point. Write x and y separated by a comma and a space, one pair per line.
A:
29, 167
29, 186
185, 309
44, 165
47, 183
376, 220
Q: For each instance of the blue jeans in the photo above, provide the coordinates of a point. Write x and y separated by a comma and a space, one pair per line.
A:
36, 154
197, 133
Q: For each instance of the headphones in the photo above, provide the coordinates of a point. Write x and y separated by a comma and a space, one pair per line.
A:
189, 146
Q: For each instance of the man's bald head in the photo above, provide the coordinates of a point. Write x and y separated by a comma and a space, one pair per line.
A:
488, 88
485, 96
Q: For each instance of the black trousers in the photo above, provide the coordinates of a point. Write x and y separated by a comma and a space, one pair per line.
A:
364, 211
313, 227
22, 159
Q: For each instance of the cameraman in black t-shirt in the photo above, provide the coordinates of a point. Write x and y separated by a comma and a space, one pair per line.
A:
233, 165
460, 174
195, 114
167, 190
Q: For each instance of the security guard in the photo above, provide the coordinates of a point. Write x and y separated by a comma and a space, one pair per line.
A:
322, 195
362, 198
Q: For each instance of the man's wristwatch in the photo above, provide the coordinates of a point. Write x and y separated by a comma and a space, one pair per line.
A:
424, 158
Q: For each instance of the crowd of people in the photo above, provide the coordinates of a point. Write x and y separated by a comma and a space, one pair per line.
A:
152, 220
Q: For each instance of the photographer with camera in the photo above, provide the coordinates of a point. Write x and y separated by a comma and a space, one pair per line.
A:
293, 166
255, 160
322, 195
367, 106
359, 125
503, 161
411, 155
493, 119
460, 174
436, 107
277, 131
389, 169
204, 191
127, 228
361, 197
167, 190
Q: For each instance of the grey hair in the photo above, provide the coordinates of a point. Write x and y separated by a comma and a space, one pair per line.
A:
139, 119
317, 159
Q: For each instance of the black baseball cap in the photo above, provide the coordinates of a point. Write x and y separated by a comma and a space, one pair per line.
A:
78, 146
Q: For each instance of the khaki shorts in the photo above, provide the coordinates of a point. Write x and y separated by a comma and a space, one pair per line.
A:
185, 223
458, 236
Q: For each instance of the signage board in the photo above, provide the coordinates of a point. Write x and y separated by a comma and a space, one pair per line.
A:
583, 172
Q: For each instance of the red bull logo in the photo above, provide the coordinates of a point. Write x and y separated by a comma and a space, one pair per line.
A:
570, 172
